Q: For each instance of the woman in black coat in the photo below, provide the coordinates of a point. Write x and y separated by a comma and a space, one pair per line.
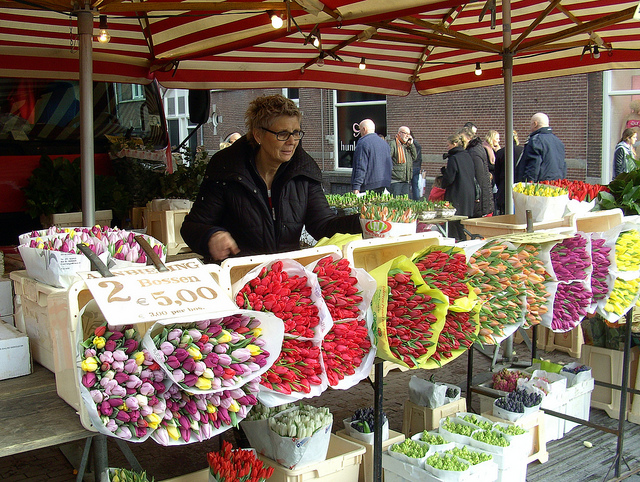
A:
260, 192
458, 180
483, 176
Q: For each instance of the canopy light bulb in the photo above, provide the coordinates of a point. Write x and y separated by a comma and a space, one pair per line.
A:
104, 36
362, 64
596, 52
315, 42
478, 69
276, 21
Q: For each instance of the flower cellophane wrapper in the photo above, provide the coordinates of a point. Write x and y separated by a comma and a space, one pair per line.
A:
367, 287
379, 309
543, 208
91, 316
56, 268
430, 394
257, 432
272, 334
293, 267
295, 453
609, 276
375, 228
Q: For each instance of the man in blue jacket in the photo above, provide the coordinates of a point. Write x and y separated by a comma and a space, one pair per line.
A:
372, 164
543, 155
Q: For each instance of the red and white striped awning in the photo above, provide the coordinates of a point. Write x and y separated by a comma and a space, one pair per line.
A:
219, 44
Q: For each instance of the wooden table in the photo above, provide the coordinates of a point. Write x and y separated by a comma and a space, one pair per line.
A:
33, 416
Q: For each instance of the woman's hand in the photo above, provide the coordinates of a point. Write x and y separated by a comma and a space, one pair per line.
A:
222, 245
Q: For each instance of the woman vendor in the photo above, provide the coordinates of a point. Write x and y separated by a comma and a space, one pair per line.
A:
260, 192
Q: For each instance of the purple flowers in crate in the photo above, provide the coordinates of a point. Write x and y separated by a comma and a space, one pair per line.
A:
570, 305
119, 244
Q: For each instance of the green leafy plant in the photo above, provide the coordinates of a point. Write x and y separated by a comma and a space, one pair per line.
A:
55, 187
624, 193
184, 182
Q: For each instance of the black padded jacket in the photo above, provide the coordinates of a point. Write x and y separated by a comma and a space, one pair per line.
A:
233, 197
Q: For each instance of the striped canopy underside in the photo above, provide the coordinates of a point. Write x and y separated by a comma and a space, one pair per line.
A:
433, 45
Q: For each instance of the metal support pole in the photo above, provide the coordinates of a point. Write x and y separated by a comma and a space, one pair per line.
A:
469, 374
100, 458
623, 391
377, 422
87, 168
507, 68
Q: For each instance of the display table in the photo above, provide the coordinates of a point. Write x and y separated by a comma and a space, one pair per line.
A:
33, 416
443, 223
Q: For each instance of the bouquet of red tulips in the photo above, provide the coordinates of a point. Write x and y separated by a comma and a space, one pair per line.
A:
240, 465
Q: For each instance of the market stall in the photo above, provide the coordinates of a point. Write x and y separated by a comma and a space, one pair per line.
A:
279, 329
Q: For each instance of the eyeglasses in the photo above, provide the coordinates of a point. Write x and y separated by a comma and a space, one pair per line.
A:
284, 135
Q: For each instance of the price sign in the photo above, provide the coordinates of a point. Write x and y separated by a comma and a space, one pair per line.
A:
142, 295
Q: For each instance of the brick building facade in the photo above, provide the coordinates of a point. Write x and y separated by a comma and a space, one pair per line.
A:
573, 103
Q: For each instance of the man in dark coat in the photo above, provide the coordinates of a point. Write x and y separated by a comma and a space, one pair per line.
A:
372, 163
233, 198
500, 171
481, 164
543, 154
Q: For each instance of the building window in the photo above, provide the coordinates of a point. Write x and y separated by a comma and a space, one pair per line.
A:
349, 109
621, 109
130, 92
175, 107
293, 94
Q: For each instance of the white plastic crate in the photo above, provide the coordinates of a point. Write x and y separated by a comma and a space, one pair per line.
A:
578, 402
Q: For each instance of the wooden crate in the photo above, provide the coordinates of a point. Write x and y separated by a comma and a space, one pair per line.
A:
606, 366
417, 418
506, 224
569, 342
366, 467
165, 227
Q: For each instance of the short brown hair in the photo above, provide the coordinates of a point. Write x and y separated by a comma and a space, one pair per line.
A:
263, 111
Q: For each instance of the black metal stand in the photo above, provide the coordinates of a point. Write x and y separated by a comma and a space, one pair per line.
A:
377, 420
624, 391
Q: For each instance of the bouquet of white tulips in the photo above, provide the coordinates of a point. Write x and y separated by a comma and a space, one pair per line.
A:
300, 436
301, 422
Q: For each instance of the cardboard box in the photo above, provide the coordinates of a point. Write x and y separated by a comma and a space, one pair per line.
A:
71, 220
366, 467
6, 296
15, 359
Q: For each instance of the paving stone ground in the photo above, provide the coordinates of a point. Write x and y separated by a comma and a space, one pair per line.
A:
51, 465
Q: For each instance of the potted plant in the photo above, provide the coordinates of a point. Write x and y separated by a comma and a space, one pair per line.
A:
624, 193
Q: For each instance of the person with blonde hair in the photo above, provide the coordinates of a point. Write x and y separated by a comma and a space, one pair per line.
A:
458, 180
259, 193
